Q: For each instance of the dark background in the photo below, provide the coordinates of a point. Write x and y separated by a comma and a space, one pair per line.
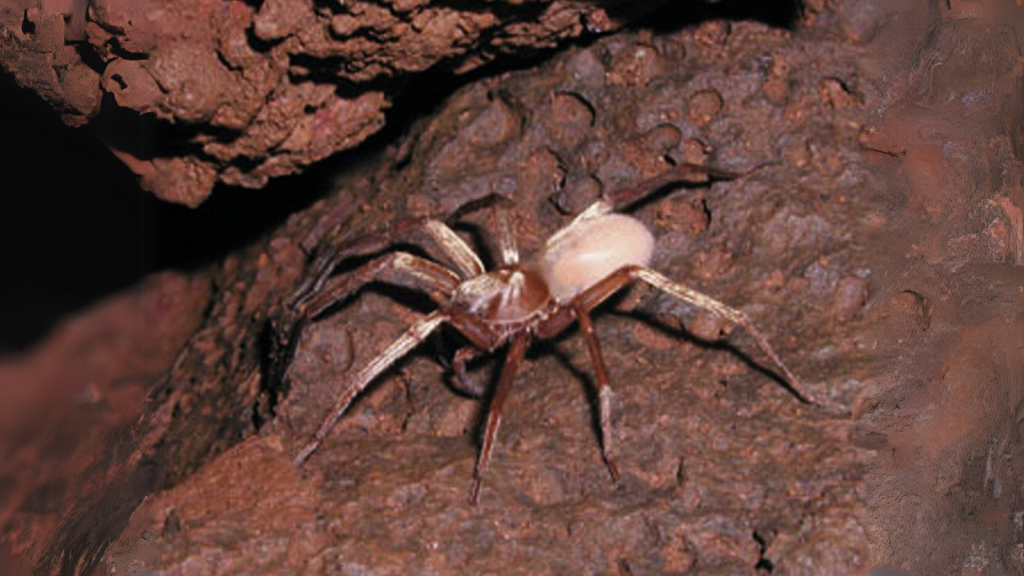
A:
75, 226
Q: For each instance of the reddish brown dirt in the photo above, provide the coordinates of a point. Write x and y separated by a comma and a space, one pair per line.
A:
943, 420
724, 472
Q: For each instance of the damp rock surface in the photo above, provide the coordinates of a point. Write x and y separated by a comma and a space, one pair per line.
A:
723, 470
943, 417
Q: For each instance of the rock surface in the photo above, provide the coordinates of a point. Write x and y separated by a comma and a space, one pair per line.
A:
724, 471
943, 419
246, 91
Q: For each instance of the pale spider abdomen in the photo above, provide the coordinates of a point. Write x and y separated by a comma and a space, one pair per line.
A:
587, 251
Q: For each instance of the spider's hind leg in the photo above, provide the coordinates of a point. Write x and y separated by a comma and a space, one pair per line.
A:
598, 293
691, 296
626, 197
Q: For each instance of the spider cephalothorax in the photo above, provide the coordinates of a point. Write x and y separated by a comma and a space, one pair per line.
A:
578, 268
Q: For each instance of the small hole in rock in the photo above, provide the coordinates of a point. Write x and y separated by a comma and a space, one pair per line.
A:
27, 26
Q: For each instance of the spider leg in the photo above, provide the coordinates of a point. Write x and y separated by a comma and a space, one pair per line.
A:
438, 235
516, 351
466, 384
625, 197
399, 348
504, 238
398, 268
737, 317
615, 281
508, 249
605, 394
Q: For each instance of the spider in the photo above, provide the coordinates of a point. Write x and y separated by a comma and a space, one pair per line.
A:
597, 254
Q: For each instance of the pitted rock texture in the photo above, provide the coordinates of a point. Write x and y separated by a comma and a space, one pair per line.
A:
724, 471
247, 91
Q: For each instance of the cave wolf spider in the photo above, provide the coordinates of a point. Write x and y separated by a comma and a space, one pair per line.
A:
597, 254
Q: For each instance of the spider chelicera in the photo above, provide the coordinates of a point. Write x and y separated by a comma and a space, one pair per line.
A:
579, 267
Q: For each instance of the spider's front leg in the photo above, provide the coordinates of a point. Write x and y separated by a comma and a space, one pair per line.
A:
439, 236
396, 268
502, 234
516, 351
399, 348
